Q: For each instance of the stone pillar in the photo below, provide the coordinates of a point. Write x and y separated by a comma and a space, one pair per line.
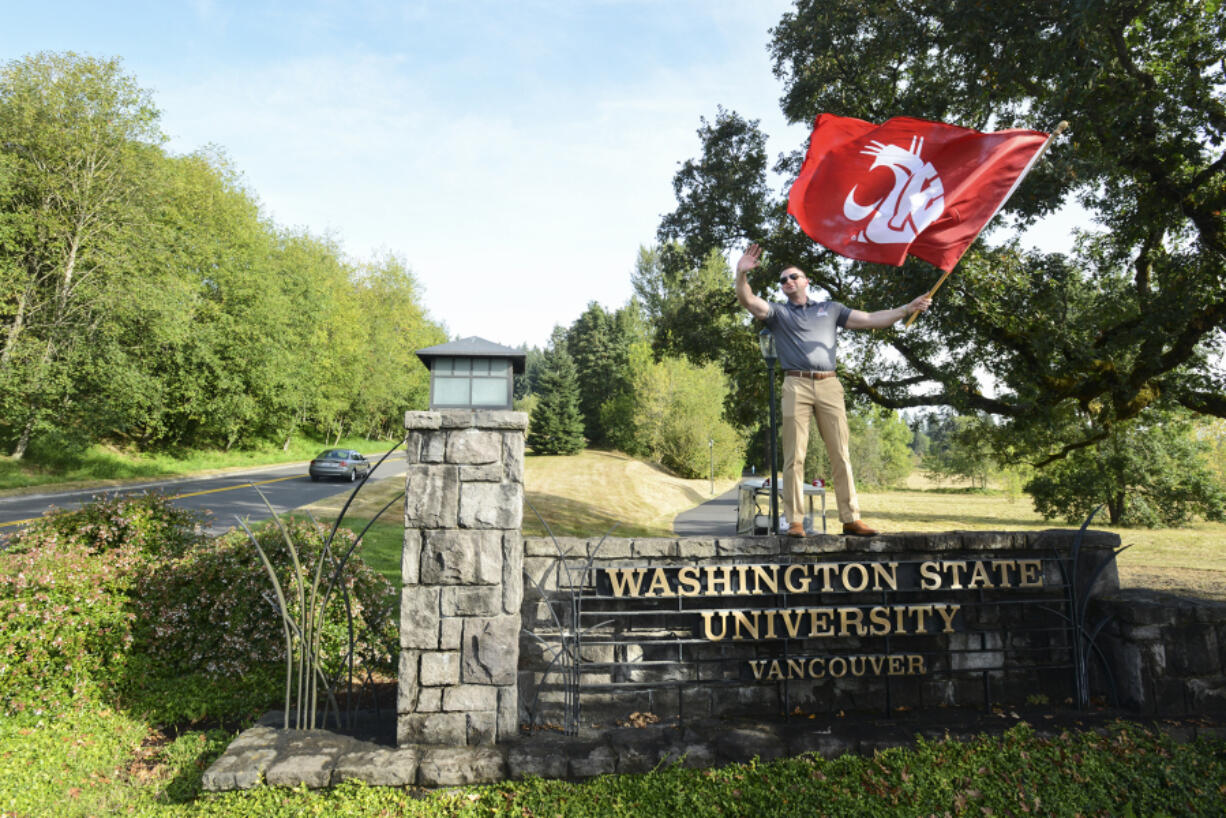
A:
463, 577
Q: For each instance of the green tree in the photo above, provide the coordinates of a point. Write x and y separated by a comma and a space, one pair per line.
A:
961, 449
77, 136
879, 445
556, 424
1152, 471
1137, 315
599, 350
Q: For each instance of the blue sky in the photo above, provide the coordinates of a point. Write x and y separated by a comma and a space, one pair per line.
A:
514, 154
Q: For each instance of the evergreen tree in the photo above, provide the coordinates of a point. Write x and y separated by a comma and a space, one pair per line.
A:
557, 424
600, 349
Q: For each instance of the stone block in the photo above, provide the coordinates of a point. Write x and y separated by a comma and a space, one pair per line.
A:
508, 712
654, 547
473, 446
412, 448
456, 419
490, 650
464, 600
486, 473
378, 768
450, 631
407, 681
419, 617
592, 761
470, 698
482, 727
696, 548
491, 505
410, 557
512, 572
429, 700
433, 447
541, 756
312, 770
513, 457
240, 769
452, 556
460, 766
431, 728
432, 496
504, 419
606, 548
422, 420
1193, 651
747, 547
440, 667
545, 547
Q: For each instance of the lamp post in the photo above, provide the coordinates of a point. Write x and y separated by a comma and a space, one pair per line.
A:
711, 452
766, 342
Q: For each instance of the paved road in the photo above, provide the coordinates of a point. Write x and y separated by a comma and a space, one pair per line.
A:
223, 495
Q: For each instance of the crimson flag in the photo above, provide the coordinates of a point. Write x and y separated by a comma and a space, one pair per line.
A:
878, 192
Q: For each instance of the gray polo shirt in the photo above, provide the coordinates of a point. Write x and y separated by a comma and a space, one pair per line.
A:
805, 335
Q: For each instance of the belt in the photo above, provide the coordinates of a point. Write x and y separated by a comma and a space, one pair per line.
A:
803, 373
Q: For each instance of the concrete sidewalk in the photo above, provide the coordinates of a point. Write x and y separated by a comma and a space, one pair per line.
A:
714, 518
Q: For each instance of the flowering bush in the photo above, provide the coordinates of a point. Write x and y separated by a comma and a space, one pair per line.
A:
65, 630
115, 601
213, 610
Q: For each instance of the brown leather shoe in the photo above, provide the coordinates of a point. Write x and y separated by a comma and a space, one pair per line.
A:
857, 528
796, 530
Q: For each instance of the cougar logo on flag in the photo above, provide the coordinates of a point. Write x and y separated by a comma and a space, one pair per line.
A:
916, 200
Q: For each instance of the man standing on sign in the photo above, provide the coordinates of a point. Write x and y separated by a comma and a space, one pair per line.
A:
805, 336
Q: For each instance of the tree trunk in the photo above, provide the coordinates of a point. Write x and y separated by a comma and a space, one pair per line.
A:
19, 451
1115, 508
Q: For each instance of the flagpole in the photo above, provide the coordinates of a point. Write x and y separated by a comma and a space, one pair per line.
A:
1038, 154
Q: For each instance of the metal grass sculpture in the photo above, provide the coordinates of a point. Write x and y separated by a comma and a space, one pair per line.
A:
303, 623
569, 649
1083, 637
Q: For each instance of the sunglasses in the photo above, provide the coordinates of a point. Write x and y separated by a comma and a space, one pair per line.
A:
790, 277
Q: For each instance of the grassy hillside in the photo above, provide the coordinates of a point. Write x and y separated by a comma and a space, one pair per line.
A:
585, 494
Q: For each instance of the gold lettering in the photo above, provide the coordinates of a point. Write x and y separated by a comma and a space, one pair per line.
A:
820, 672
795, 587
979, 576
660, 581
841, 664
826, 629
757, 666
854, 670
955, 569
849, 615
930, 576
890, 576
876, 662
743, 573
919, 611
880, 617
740, 619
947, 612
723, 625
776, 671
790, 624
1002, 572
896, 666
826, 570
1030, 573
796, 668
688, 579
766, 576
725, 581
916, 665
863, 583
770, 624
626, 580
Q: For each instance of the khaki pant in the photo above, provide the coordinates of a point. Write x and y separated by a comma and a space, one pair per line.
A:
803, 398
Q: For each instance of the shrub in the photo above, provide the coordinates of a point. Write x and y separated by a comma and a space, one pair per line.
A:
147, 522
65, 627
212, 611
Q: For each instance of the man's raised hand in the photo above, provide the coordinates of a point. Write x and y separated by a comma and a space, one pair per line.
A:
750, 259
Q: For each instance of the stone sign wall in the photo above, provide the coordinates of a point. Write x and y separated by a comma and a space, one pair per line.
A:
772, 625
